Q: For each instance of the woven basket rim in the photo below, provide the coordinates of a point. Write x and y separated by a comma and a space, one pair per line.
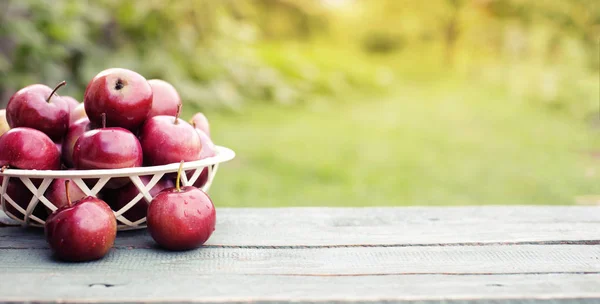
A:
223, 154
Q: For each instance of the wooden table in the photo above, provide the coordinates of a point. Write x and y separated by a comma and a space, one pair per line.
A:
458, 254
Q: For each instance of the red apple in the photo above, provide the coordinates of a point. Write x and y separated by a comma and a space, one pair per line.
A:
71, 102
117, 199
108, 148
82, 231
58, 146
57, 192
208, 147
26, 148
19, 193
38, 107
181, 218
168, 139
124, 95
165, 98
199, 121
77, 113
208, 150
76, 129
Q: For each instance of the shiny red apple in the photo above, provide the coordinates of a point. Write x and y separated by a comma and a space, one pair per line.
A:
124, 95
27, 148
84, 230
108, 148
165, 98
181, 218
38, 107
118, 198
57, 192
76, 129
200, 121
168, 139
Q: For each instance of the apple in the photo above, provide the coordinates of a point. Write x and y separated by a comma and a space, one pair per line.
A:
199, 121
57, 192
167, 139
29, 149
19, 193
58, 146
117, 199
3, 123
208, 150
84, 230
38, 107
77, 113
124, 95
165, 98
181, 218
71, 102
208, 147
108, 148
76, 129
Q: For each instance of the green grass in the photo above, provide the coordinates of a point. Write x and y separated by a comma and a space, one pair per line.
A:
442, 144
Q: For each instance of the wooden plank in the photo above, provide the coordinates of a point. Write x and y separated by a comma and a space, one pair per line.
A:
325, 261
185, 287
378, 226
463, 254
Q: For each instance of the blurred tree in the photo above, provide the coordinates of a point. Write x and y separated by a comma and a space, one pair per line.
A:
217, 52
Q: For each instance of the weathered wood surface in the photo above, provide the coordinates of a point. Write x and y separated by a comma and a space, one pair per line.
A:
461, 254
387, 226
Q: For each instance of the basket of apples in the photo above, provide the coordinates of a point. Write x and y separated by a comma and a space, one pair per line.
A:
120, 151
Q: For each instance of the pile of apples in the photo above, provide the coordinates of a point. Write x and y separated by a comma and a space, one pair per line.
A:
124, 121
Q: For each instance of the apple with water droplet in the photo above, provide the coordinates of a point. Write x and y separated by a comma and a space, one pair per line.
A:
181, 218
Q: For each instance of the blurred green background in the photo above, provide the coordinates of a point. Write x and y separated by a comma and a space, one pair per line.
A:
350, 102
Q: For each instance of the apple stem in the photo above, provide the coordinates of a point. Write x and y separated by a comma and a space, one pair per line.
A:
103, 120
58, 86
178, 113
177, 183
67, 192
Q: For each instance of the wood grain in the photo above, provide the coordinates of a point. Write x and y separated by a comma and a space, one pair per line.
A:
379, 226
157, 287
368, 255
327, 261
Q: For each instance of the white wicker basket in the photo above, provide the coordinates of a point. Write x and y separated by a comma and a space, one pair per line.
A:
78, 176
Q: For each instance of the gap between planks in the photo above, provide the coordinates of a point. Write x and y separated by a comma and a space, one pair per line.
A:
469, 244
